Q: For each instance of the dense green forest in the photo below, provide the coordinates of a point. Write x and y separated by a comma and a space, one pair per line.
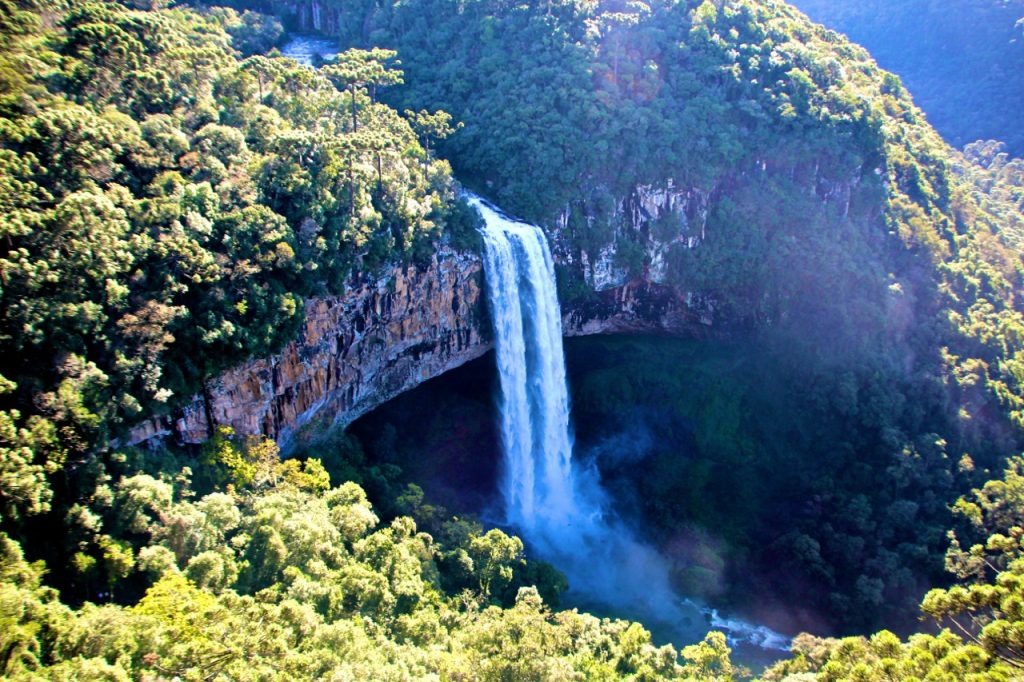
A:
962, 59
822, 176
256, 568
169, 205
172, 192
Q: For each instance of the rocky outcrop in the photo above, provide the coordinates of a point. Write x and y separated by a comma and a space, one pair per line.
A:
356, 351
393, 331
305, 16
640, 307
650, 220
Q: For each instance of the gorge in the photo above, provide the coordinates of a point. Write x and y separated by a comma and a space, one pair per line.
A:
555, 504
402, 325
654, 257
248, 353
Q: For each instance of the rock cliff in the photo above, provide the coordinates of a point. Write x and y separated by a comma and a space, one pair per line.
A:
653, 219
406, 325
650, 220
384, 336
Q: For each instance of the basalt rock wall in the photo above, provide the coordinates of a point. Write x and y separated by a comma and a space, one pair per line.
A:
392, 331
385, 335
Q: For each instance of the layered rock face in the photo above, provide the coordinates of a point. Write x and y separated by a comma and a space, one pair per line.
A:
680, 211
622, 302
391, 332
356, 351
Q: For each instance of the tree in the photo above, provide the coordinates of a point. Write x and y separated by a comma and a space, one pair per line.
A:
431, 128
495, 556
28, 453
355, 69
29, 612
266, 71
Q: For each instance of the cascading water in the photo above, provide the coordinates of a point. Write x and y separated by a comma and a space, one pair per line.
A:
537, 483
558, 507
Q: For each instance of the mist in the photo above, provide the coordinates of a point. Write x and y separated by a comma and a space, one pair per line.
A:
610, 567
554, 502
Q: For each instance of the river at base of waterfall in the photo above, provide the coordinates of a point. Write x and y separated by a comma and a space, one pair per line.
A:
304, 48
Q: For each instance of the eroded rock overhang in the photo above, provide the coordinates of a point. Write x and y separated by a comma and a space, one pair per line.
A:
408, 324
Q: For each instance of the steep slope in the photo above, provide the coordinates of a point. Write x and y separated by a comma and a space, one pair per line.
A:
168, 208
961, 59
765, 171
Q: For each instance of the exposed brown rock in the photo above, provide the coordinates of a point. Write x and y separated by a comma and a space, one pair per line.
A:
394, 331
356, 351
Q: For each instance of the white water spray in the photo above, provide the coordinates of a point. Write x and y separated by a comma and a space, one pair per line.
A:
558, 508
535, 402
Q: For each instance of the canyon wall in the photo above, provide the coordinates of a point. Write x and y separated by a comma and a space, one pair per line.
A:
621, 300
406, 325
385, 335
392, 331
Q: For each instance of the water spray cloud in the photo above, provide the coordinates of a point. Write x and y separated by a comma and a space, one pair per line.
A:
559, 508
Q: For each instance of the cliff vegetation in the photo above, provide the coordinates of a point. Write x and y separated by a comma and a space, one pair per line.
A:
960, 61
171, 194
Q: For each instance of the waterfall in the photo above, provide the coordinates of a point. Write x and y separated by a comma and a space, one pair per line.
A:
537, 481
560, 509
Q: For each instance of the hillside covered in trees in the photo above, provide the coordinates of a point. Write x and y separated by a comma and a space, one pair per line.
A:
173, 191
901, 384
962, 59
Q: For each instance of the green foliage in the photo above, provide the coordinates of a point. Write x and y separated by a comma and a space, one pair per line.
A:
943, 658
28, 610
28, 452
983, 609
816, 212
251, 32
168, 207
256, 462
800, 168
838, 513
956, 66
334, 593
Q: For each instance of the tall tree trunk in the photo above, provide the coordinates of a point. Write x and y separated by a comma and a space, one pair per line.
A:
351, 189
355, 122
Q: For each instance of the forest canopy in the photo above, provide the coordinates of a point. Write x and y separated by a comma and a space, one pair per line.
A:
173, 191
169, 204
960, 64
